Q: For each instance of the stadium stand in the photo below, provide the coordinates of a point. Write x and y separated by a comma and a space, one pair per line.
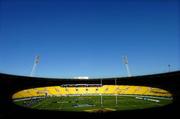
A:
105, 90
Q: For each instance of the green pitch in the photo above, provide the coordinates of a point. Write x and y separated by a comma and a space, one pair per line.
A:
94, 103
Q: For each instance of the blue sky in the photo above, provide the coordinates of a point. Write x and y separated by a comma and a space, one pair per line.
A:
89, 37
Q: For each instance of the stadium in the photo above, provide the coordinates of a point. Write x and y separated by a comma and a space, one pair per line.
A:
82, 43
104, 97
92, 97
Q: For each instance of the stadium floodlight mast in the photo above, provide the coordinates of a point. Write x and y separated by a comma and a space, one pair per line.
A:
169, 66
127, 66
36, 61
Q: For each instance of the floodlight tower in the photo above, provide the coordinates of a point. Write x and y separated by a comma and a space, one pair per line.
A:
36, 61
127, 66
169, 66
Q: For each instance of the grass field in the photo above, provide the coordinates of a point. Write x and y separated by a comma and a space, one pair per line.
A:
93, 103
